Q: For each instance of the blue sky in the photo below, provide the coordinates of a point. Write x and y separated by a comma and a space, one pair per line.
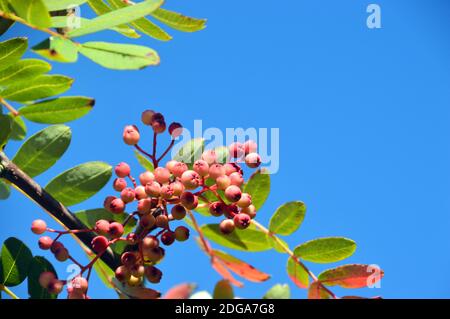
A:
363, 118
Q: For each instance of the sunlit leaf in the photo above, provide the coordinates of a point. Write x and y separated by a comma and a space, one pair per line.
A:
224, 272
297, 273
33, 11
288, 218
23, 70
178, 21
316, 291
181, 291
326, 250
278, 291
6, 129
15, 261
11, 51
5, 190
57, 49
144, 161
39, 265
190, 151
351, 276
258, 186
55, 5
19, 128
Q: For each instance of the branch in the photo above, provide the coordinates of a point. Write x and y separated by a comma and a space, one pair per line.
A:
10, 172
9, 292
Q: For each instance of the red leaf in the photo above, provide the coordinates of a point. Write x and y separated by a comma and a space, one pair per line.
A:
351, 276
316, 291
182, 291
297, 273
241, 268
223, 271
142, 293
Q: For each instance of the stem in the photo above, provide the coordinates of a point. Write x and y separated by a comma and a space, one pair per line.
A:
291, 254
140, 149
172, 143
9, 107
10, 172
155, 141
8, 292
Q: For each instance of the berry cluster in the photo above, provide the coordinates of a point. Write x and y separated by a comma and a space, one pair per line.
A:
162, 196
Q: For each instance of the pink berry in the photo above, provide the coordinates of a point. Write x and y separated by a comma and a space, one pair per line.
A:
62, 254
153, 189
223, 182
236, 150
144, 206
102, 227
117, 206
231, 168
178, 188
245, 201
115, 230
55, 286
209, 156
217, 209
122, 274
179, 168
38, 227
131, 135
99, 244
146, 117
45, 243
250, 211
241, 221
162, 175
80, 283
253, 160
216, 170
146, 177
178, 212
191, 179
201, 167
226, 226
107, 202
147, 221
175, 129
236, 179
122, 170
181, 233
150, 242
233, 193
127, 195
119, 184
231, 211
140, 192
250, 147
170, 165
45, 278
168, 237
189, 200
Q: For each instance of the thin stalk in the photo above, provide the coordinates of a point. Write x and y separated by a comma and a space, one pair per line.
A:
9, 107
8, 292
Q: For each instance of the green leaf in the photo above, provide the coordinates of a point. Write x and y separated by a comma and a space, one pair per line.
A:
55, 5
178, 21
297, 274
5, 190
79, 183
350, 276
100, 8
5, 24
33, 11
37, 267
19, 128
15, 258
11, 51
278, 292
103, 271
42, 150
223, 290
288, 218
91, 216
120, 56
326, 250
38, 88
190, 151
24, 70
248, 239
5, 129
144, 25
56, 111
258, 186
57, 49
117, 17
144, 161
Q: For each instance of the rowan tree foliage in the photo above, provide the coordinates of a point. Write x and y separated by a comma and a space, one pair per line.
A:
128, 234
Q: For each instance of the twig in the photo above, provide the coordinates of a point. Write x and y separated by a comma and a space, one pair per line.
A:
9, 107
9, 292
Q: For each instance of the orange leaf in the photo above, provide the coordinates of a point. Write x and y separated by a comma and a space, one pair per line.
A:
223, 271
182, 291
241, 268
351, 276
316, 291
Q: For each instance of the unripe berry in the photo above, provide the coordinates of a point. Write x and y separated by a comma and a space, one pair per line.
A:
245, 201
99, 244
38, 227
175, 129
236, 179
178, 212
146, 117
150, 242
253, 160
216, 170
233, 193
117, 206
241, 221
107, 202
122, 170
122, 274
128, 259
209, 156
140, 192
250, 147
147, 221
115, 230
223, 182
134, 281
201, 167
80, 283
191, 179
189, 200
166, 191
45, 242
181, 233
56, 246
144, 206
55, 286
236, 150
226, 226
127, 195
178, 188
62, 254
131, 135
250, 211
162, 221
119, 184
168, 237
162, 175
158, 123
217, 209
153, 274
153, 189
45, 278
231, 168
146, 177
179, 168
153, 255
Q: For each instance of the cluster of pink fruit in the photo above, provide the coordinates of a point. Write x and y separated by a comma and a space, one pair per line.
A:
167, 194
